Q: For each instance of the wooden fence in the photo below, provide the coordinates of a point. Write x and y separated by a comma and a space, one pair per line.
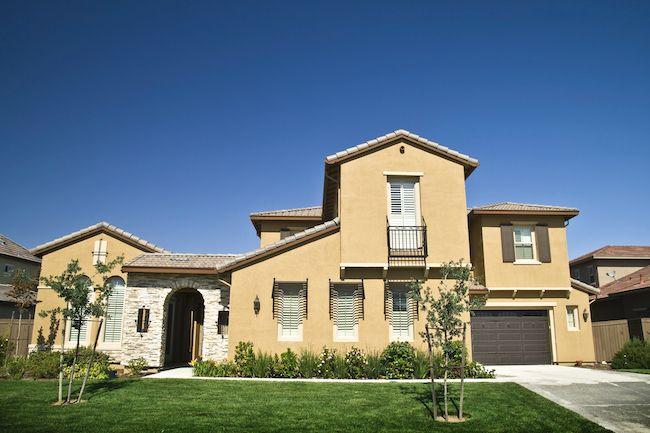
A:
611, 335
19, 344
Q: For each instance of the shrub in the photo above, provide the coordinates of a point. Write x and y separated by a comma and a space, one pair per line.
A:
16, 367
634, 354
264, 365
4, 349
355, 363
43, 365
421, 365
308, 364
99, 370
374, 369
288, 366
326, 366
214, 369
136, 366
398, 360
244, 359
476, 370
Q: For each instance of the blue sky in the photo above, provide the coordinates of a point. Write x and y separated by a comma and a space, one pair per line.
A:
176, 120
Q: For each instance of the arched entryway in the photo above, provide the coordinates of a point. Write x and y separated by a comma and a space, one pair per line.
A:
184, 330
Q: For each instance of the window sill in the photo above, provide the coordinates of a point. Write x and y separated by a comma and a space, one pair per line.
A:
527, 262
573, 329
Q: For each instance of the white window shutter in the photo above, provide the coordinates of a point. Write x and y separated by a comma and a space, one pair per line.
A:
403, 208
291, 315
99, 251
114, 311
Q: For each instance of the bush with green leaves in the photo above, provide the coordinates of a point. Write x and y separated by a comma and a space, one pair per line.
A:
308, 364
244, 359
421, 365
16, 367
99, 370
356, 363
4, 349
43, 365
398, 360
374, 368
136, 366
288, 365
327, 365
635, 353
264, 365
214, 369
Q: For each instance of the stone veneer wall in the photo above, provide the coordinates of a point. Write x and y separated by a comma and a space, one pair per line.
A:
153, 291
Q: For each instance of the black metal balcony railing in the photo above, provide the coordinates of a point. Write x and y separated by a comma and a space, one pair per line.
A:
407, 242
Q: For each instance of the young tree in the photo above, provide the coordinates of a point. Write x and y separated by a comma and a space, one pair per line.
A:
76, 289
446, 312
23, 291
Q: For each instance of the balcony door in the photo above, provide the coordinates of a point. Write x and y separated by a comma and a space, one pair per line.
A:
403, 217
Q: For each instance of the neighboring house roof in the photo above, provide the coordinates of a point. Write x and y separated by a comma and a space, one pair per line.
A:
92, 230
615, 252
281, 245
13, 249
5, 297
634, 281
179, 261
579, 285
402, 134
508, 207
300, 212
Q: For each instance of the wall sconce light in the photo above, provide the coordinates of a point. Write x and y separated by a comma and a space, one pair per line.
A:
585, 314
256, 305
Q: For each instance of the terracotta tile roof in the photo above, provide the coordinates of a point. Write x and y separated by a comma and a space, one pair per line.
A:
14, 249
180, 260
101, 226
5, 297
279, 245
310, 211
523, 207
616, 251
375, 142
635, 281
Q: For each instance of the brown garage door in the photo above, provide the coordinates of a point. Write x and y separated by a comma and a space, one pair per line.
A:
511, 337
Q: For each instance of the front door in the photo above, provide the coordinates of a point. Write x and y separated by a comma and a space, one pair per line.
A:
185, 330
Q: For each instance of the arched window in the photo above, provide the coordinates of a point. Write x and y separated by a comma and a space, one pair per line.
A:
115, 307
83, 329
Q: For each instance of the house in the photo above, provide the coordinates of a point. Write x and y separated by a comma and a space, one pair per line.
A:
393, 210
97, 243
13, 257
609, 263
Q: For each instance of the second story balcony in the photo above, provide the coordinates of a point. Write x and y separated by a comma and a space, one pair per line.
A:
407, 245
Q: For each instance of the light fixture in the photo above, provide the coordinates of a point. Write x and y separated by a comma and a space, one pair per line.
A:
256, 305
585, 314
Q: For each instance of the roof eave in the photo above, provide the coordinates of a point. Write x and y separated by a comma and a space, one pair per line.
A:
168, 270
579, 285
566, 214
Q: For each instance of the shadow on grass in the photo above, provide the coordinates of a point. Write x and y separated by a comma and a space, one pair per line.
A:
95, 389
423, 395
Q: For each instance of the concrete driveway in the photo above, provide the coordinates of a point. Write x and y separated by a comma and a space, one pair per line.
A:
617, 401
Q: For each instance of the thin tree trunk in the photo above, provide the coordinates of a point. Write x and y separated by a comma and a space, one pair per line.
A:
432, 373
90, 361
446, 374
20, 322
462, 372
74, 361
61, 359
11, 331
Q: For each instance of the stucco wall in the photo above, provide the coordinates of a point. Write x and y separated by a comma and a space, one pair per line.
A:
270, 230
6, 278
364, 204
55, 262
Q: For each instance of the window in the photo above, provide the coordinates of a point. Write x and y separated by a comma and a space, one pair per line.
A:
524, 248
591, 275
346, 309
572, 318
143, 320
9, 268
80, 329
290, 308
222, 322
403, 206
99, 252
575, 273
114, 309
401, 309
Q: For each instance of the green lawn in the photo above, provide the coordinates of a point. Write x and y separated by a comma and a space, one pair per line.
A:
238, 406
636, 370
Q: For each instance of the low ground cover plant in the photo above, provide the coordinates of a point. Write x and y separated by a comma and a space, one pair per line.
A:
635, 354
397, 361
45, 365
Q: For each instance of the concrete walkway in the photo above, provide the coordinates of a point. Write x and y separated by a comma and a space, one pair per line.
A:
617, 401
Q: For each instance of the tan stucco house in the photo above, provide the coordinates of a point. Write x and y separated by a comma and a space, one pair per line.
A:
393, 210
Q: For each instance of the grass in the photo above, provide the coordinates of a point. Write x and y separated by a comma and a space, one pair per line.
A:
636, 370
152, 405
